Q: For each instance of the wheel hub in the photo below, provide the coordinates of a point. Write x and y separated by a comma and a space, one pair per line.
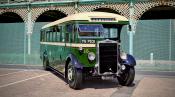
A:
70, 74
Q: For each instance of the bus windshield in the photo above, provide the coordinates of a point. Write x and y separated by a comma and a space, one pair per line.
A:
90, 30
97, 31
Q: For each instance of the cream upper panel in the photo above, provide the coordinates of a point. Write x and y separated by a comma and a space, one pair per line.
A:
88, 16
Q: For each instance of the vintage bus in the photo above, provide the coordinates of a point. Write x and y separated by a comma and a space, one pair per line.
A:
87, 45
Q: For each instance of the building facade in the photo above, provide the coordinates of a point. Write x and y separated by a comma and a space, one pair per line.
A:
152, 36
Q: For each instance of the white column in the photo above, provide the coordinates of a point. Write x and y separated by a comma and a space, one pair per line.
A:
29, 30
76, 6
131, 42
132, 30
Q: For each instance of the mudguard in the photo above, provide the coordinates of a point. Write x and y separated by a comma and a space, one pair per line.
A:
130, 61
75, 62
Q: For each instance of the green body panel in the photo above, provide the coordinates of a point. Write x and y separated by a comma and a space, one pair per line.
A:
57, 56
83, 57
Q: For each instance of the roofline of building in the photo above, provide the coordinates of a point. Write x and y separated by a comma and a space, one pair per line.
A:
45, 3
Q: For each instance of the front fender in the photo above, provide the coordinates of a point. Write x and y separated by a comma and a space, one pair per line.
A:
130, 61
74, 61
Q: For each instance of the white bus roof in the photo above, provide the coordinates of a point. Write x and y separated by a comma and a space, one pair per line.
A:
90, 17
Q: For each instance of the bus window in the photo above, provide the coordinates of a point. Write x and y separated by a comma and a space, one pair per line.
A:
70, 33
67, 37
42, 36
73, 33
111, 31
53, 36
62, 37
62, 34
58, 35
69, 28
50, 36
91, 30
47, 36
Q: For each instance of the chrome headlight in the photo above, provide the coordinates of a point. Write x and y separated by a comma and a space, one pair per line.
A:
91, 56
123, 55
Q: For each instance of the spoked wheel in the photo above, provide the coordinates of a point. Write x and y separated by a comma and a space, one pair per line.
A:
74, 77
45, 64
127, 77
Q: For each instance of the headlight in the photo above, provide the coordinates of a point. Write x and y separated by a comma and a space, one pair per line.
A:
91, 56
123, 55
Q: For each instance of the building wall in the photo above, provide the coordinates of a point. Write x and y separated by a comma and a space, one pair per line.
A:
12, 43
151, 36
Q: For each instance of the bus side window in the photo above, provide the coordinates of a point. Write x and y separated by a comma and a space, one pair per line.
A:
67, 37
62, 34
70, 33
41, 35
74, 33
58, 36
53, 36
50, 36
57, 33
44, 36
51, 32
62, 37
47, 36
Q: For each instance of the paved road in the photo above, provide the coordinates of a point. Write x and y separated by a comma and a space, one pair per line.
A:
155, 87
40, 83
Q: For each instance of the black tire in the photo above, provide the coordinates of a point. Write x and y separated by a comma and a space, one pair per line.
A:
127, 77
45, 64
74, 79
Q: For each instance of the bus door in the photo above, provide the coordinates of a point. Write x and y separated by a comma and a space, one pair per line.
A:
56, 48
60, 49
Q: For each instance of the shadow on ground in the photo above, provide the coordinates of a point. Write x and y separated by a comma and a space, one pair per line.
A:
96, 83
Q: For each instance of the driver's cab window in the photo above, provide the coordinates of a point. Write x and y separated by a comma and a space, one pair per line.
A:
110, 32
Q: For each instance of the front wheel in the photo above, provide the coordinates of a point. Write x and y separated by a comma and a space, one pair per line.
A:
127, 77
74, 77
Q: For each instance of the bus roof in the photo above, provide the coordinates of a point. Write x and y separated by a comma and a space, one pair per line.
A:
90, 17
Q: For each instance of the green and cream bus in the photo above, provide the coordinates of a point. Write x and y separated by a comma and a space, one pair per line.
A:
87, 45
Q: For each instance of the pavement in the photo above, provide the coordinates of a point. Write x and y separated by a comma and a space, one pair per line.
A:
155, 87
24, 82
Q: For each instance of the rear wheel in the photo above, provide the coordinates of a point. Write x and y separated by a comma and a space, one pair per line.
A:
46, 64
127, 77
74, 77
